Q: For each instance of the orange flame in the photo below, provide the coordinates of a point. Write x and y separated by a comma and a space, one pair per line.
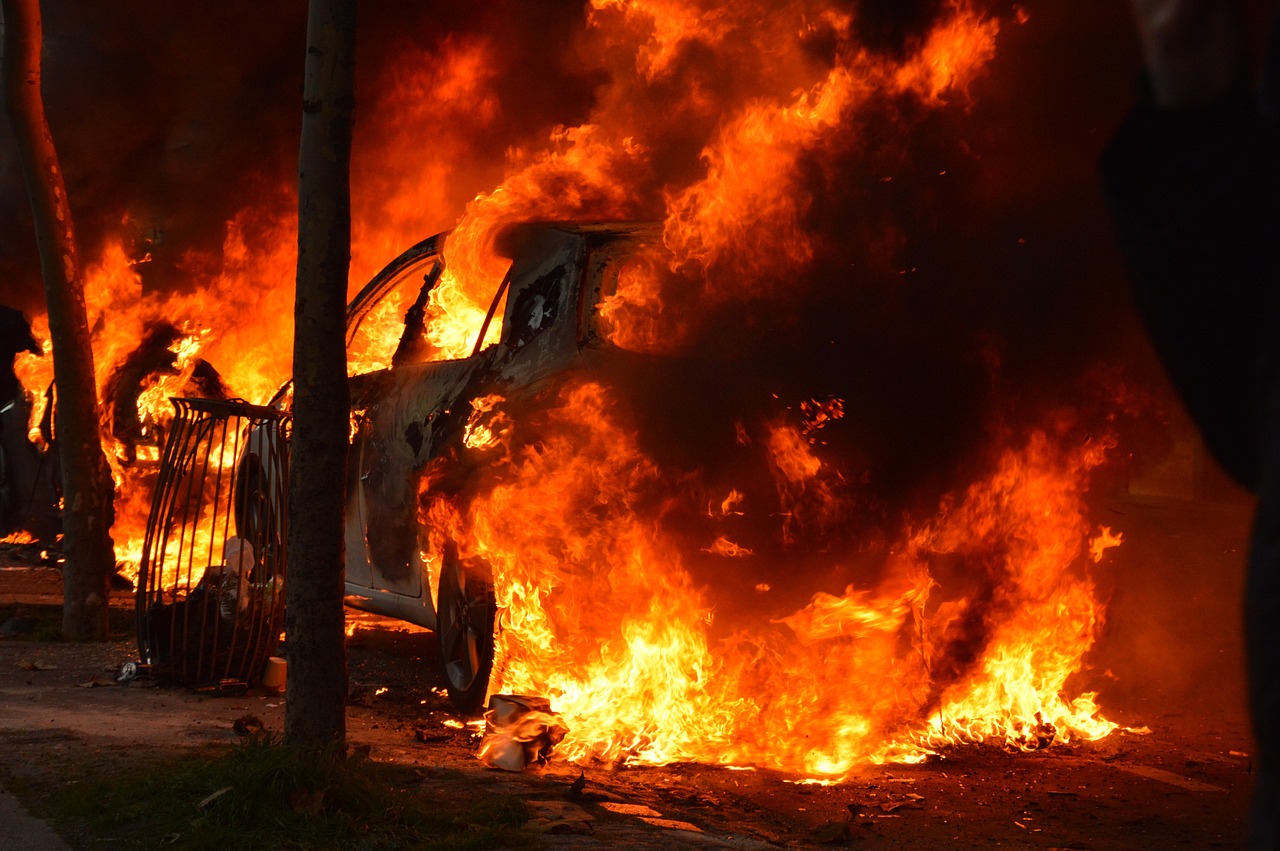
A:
486, 426
1105, 540
879, 673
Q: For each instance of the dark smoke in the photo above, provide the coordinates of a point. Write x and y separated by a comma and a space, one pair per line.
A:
965, 276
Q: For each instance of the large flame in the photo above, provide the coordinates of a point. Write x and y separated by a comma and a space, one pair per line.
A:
715, 122
601, 611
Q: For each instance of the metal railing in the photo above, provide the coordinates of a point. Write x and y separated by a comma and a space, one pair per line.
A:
210, 598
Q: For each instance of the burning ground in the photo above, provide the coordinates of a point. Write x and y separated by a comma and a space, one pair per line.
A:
844, 515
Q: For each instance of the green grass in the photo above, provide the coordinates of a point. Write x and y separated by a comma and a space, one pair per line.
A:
261, 794
47, 621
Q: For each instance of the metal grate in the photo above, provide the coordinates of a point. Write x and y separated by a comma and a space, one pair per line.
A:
210, 600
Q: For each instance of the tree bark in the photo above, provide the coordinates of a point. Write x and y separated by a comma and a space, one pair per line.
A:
316, 651
87, 488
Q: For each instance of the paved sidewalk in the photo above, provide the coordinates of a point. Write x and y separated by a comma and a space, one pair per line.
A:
25, 831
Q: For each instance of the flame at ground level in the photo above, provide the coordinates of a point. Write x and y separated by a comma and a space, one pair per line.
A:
600, 612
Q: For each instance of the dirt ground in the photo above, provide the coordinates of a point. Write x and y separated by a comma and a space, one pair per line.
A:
1184, 785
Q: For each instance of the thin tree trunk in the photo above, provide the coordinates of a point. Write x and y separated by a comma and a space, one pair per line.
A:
87, 488
315, 637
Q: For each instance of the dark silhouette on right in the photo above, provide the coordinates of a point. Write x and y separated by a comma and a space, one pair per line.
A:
1191, 177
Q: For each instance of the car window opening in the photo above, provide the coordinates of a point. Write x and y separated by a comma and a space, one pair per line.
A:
415, 346
536, 308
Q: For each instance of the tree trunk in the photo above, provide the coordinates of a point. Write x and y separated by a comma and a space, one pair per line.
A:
87, 488
317, 683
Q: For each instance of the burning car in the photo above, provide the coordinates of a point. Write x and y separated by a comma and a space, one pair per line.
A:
626, 528
823, 198
421, 426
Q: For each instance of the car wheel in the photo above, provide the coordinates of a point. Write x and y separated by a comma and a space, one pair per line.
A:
464, 629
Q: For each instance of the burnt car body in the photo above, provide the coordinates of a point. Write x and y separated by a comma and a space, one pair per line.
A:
412, 420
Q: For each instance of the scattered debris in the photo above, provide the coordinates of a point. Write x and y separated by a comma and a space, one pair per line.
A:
1044, 732
37, 666
225, 688
215, 796
422, 734
127, 672
866, 808
247, 725
687, 796
97, 680
912, 802
520, 731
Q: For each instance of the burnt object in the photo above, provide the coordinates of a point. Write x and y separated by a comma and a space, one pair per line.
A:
520, 732
210, 601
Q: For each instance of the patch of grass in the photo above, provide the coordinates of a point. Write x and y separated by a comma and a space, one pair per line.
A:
262, 794
46, 621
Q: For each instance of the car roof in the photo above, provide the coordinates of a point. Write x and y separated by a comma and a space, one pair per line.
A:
511, 238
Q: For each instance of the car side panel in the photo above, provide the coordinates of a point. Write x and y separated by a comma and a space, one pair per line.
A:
405, 413
412, 419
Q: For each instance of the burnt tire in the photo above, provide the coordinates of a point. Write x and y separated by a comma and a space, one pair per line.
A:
464, 629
